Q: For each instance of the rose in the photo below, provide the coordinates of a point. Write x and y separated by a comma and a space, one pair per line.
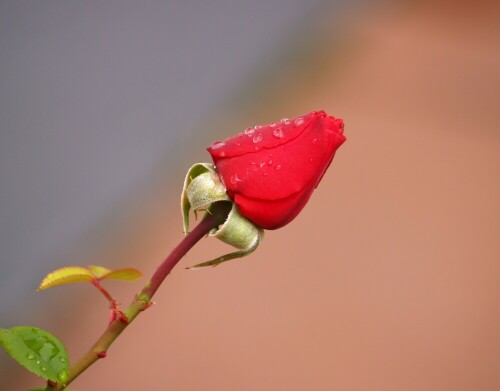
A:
271, 171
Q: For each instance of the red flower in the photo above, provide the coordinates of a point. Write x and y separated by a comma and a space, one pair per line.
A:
271, 171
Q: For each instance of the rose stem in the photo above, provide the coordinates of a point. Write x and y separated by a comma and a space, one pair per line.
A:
218, 214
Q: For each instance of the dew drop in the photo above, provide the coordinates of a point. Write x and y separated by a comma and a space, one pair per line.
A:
62, 376
278, 133
311, 160
340, 125
38, 362
235, 179
299, 121
273, 124
249, 131
257, 138
63, 360
269, 162
257, 127
262, 164
285, 121
257, 149
218, 144
314, 140
237, 143
278, 167
43, 369
222, 154
30, 356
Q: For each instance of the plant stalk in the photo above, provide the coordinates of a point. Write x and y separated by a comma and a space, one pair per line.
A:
217, 215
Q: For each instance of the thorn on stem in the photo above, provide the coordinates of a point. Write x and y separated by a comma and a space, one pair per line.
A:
102, 354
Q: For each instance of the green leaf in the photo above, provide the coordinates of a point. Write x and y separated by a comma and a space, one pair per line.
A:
38, 351
66, 275
127, 274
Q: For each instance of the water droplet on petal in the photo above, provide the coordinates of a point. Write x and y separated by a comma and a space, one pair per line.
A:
314, 140
257, 138
311, 160
269, 162
235, 179
273, 124
340, 125
262, 164
278, 167
257, 127
218, 144
299, 121
278, 133
30, 356
257, 149
285, 121
249, 131
237, 143
222, 154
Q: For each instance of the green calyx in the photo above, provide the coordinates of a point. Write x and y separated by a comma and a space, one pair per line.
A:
203, 188
238, 232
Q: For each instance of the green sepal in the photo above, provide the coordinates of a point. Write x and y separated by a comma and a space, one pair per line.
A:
238, 232
202, 187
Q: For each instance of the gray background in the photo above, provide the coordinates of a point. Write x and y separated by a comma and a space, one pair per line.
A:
96, 96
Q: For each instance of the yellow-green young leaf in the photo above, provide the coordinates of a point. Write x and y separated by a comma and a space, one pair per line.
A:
127, 274
66, 275
98, 271
38, 351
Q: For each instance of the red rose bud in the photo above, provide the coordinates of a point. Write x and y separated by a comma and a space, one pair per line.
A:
271, 171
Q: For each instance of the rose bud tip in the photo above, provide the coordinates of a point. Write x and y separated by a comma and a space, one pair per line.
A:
271, 195
340, 124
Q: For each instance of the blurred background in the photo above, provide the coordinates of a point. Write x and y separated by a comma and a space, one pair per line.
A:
389, 278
